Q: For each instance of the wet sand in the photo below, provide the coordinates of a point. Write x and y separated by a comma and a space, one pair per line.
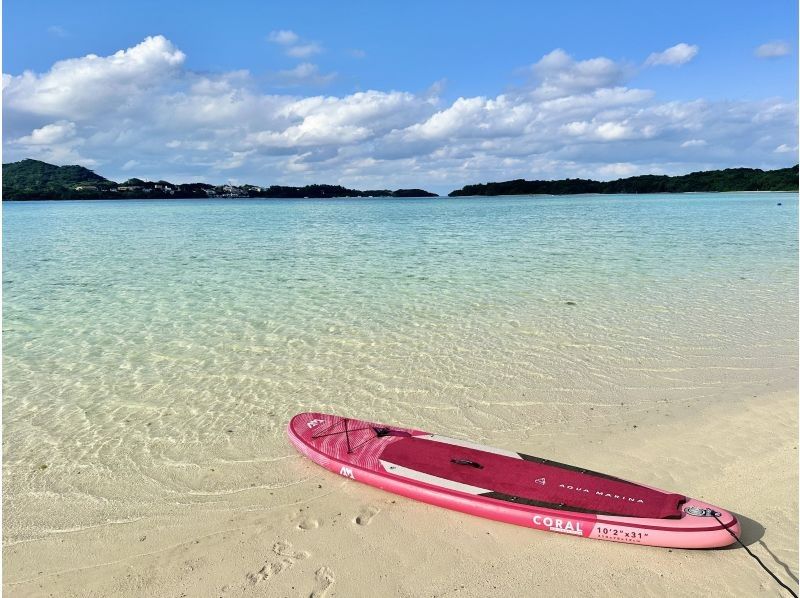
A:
325, 536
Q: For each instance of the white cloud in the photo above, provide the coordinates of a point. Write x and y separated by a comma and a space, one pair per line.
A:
326, 121
78, 87
57, 142
140, 112
589, 103
674, 56
612, 131
304, 50
304, 73
604, 131
561, 75
619, 170
783, 148
773, 49
474, 117
694, 143
293, 44
436, 88
49, 134
283, 37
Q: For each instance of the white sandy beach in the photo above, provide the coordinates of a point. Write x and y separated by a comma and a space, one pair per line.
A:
324, 536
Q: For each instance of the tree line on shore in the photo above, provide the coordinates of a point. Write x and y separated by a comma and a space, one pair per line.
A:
33, 179
730, 179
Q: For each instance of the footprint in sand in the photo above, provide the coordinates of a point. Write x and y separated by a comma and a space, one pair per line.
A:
366, 514
286, 558
268, 570
324, 580
307, 524
284, 548
303, 521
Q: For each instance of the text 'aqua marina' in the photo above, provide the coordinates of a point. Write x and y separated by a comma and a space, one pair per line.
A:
601, 493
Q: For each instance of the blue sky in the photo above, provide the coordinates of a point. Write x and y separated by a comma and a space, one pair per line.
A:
385, 94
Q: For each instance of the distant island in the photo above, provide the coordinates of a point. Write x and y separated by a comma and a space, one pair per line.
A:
730, 179
32, 179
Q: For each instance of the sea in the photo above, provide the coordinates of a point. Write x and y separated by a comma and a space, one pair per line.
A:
154, 350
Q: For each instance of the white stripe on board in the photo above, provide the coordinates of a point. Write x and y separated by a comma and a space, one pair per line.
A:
468, 444
413, 474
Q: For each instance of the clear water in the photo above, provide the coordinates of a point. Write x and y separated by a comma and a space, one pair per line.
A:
154, 350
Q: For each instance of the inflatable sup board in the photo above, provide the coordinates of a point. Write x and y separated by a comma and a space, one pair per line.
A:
507, 486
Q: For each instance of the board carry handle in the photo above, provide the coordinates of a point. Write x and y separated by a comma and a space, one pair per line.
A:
466, 462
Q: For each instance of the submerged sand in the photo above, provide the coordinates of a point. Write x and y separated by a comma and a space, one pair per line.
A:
326, 536
154, 351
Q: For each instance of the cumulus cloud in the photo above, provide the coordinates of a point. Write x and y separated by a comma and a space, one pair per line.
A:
675, 56
140, 112
49, 134
560, 74
55, 142
773, 49
77, 87
603, 131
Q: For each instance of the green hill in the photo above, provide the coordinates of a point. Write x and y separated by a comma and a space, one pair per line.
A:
34, 178
730, 179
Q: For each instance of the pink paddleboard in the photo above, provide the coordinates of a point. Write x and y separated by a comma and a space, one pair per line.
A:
508, 486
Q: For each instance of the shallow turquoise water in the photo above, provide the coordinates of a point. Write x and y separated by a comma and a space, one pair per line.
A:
146, 342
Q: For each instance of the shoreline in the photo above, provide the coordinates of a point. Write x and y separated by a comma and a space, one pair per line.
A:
29, 177
312, 535
116, 199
